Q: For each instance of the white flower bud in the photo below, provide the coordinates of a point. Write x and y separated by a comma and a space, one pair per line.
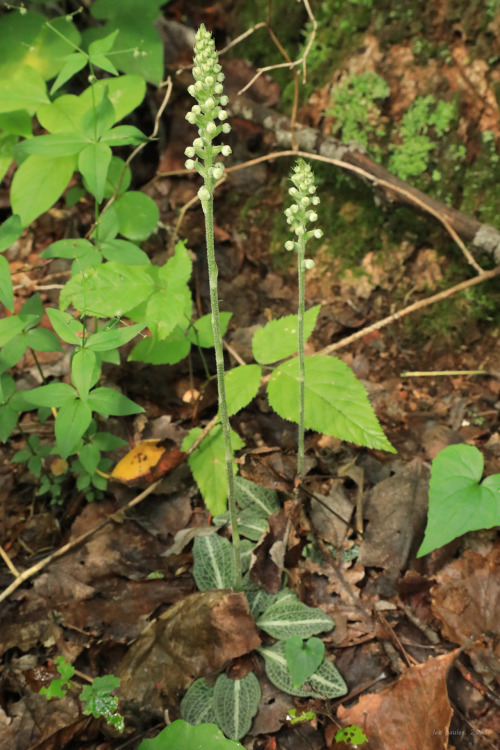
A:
312, 190
189, 164
289, 245
189, 151
203, 194
318, 234
313, 216
308, 264
315, 200
226, 127
222, 114
294, 209
305, 201
299, 231
292, 191
211, 128
226, 151
217, 172
191, 90
197, 143
209, 103
224, 100
209, 80
198, 86
196, 71
220, 77
218, 88
191, 118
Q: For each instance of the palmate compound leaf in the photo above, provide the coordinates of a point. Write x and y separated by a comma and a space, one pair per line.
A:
336, 403
197, 706
458, 501
288, 617
236, 702
278, 338
326, 682
213, 563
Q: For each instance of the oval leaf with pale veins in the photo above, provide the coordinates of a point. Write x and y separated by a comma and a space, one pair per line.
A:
336, 403
288, 617
236, 702
326, 682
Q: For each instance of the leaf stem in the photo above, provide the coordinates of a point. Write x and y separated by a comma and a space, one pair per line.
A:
301, 249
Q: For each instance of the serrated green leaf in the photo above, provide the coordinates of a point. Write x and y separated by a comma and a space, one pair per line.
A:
336, 403
197, 706
279, 338
109, 338
303, 658
6, 291
110, 289
93, 163
82, 371
236, 702
252, 496
458, 501
326, 682
288, 617
213, 562
201, 332
38, 184
59, 687
207, 464
180, 734
106, 401
98, 701
73, 418
242, 385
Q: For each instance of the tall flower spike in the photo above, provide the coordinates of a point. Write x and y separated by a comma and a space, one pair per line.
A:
207, 90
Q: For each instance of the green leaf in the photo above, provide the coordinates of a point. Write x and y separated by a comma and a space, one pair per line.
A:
89, 457
111, 289
31, 312
106, 401
336, 403
98, 701
124, 135
197, 706
66, 327
288, 617
17, 122
74, 63
6, 291
7, 388
242, 385
38, 183
10, 327
93, 163
303, 658
105, 441
259, 500
459, 501
73, 418
42, 340
137, 214
207, 464
99, 118
58, 688
7, 148
58, 144
326, 682
53, 394
82, 371
10, 231
25, 89
75, 249
168, 351
117, 181
110, 338
252, 525
236, 702
125, 93
213, 562
64, 115
122, 251
180, 734
278, 339
351, 735
103, 45
12, 352
201, 333
8, 420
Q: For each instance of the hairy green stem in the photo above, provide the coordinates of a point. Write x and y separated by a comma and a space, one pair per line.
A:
301, 249
208, 210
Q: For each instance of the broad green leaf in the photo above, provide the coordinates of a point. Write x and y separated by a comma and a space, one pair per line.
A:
118, 179
278, 338
289, 617
25, 89
459, 501
58, 144
73, 418
178, 268
27, 39
17, 122
111, 289
105, 441
82, 251
137, 214
236, 702
124, 252
213, 566
303, 658
99, 118
42, 340
167, 307
7, 148
252, 524
110, 338
53, 394
258, 599
89, 456
64, 115
167, 351
10, 327
68, 329
103, 62
7, 388
107, 226
124, 135
82, 371
197, 706
179, 734
8, 420
97, 700
12, 352
242, 385
6, 291
31, 312
103, 45
252, 496
351, 735
74, 63
125, 93
93, 163
326, 682
336, 403
208, 466
38, 183
10, 231
201, 333
106, 401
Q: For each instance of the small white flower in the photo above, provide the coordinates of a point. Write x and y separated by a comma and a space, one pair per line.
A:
209, 104
313, 216
226, 127
312, 190
218, 88
191, 118
292, 191
299, 231
211, 128
305, 201
191, 90
222, 114
289, 245
226, 151
197, 143
198, 86
224, 101
308, 264
294, 209
203, 194
209, 80
318, 234
189, 164
315, 200
189, 151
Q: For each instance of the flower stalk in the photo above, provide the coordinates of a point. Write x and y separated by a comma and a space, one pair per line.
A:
208, 92
298, 216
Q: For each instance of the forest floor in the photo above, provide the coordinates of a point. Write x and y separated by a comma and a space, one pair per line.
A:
416, 640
